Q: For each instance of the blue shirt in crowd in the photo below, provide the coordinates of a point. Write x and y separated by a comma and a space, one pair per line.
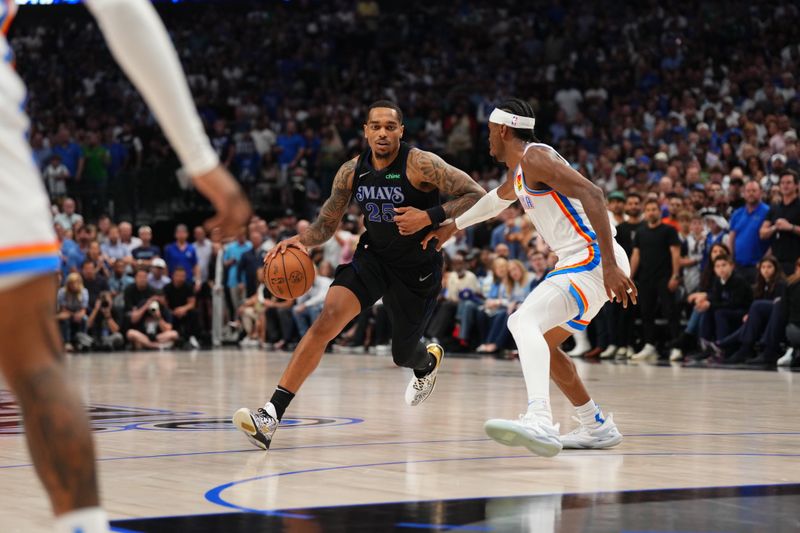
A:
70, 155
291, 145
175, 257
748, 248
234, 251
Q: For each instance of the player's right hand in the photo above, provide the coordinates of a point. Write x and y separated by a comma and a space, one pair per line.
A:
442, 234
281, 247
233, 209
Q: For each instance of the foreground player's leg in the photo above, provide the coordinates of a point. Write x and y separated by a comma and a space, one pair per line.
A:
56, 427
595, 429
341, 306
546, 307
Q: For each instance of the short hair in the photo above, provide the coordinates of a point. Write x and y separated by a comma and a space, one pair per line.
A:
87, 262
179, 268
652, 201
184, 227
142, 268
674, 195
521, 108
790, 172
633, 195
723, 257
385, 104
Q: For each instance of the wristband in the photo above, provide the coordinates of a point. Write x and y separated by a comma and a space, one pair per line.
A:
437, 215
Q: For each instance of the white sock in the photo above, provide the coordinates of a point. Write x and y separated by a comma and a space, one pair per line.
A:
269, 408
86, 520
590, 414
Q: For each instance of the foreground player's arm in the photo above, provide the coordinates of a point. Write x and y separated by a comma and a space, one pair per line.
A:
329, 217
489, 206
545, 165
428, 168
139, 42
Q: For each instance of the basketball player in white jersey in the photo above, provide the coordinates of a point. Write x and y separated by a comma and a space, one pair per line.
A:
56, 426
569, 213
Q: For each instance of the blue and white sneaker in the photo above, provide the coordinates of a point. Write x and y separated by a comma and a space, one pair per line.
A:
536, 433
606, 435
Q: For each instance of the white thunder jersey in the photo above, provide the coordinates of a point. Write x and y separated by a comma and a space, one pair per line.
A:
28, 244
564, 226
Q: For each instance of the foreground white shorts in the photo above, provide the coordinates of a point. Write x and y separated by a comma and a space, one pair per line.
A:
580, 279
28, 245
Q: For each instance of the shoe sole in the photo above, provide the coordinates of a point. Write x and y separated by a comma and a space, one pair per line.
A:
244, 422
508, 434
600, 445
438, 366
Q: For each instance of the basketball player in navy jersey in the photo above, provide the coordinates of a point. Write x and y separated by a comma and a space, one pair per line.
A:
56, 427
569, 212
397, 188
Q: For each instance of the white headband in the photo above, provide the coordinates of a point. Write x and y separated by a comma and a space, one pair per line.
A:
499, 116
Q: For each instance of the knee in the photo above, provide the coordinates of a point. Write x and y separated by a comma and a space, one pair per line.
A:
327, 325
515, 323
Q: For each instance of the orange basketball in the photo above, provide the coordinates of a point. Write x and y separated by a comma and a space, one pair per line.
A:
289, 275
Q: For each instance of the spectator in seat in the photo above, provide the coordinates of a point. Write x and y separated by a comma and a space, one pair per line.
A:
146, 251
739, 346
68, 218
180, 301
72, 306
93, 283
102, 327
518, 284
158, 279
114, 250
747, 248
182, 253
782, 225
727, 302
153, 332
458, 280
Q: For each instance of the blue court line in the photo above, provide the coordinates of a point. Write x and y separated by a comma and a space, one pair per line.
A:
123, 530
214, 495
438, 441
412, 525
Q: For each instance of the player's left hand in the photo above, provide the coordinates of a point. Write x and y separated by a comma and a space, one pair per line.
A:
410, 220
619, 287
442, 234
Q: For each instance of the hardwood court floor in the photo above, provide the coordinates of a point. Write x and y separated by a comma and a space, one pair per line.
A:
167, 449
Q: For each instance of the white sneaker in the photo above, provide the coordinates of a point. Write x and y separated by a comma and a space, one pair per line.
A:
608, 352
605, 435
786, 360
383, 349
537, 434
194, 342
581, 344
675, 354
646, 352
419, 389
622, 352
248, 342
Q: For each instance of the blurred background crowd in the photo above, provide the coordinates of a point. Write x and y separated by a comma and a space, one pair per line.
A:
686, 115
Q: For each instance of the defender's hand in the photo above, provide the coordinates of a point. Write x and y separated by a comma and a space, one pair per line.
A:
619, 287
442, 234
410, 220
281, 247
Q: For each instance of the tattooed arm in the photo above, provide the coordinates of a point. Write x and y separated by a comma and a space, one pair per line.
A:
428, 171
329, 217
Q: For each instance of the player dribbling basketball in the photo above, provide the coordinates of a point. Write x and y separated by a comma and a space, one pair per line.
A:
397, 188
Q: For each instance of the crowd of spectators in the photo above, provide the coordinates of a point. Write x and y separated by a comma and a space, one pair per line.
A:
686, 115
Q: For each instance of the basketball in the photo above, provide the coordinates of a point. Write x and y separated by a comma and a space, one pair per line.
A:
289, 275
